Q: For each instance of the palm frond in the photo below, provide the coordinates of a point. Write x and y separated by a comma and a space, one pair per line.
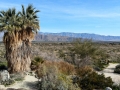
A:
23, 10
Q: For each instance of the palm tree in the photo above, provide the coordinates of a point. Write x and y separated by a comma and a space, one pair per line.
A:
10, 24
29, 25
19, 28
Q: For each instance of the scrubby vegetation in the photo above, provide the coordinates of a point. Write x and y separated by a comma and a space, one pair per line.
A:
85, 52
83, 56
7, 83
72, 66
55, 76
116, 87
91, 80
61, 75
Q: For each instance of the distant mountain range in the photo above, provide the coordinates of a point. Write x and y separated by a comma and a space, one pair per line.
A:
67, 36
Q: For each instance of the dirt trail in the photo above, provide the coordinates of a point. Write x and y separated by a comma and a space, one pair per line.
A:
109, 72
28, 83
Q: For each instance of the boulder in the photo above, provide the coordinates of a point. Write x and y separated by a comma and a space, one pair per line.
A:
4, 75
108, 88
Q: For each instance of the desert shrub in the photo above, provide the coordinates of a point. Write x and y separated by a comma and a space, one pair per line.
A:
95, 81
54, 76
36, 62
56, 81
116, 87
118, 66
100, 59
117, 69
81, 72
7, 83
91, 80
85, 52
65, 68
61, 53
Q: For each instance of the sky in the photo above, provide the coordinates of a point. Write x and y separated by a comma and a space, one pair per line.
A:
77, 16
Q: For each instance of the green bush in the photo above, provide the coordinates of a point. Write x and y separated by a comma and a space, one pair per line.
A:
7, 83
85, 52
95, 81
116, 87
36, 62
117, 69
91, 80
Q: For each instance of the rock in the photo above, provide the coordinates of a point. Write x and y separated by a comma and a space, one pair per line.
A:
108, 88
4, 75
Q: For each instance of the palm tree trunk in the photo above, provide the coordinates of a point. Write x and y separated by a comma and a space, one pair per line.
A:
13, 52
25, 57
18, 51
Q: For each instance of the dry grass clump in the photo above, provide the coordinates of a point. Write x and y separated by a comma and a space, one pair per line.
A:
61, 66
54, 75
84, 71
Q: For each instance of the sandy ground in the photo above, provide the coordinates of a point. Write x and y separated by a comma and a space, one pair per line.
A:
28, 83
109, 72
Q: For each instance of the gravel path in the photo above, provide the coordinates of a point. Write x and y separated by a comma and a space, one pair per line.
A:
109, 72
28, 83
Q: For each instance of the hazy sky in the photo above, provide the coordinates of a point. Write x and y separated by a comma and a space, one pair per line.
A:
78, 16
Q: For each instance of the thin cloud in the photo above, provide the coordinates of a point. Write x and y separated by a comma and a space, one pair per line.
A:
71, 12
76, 11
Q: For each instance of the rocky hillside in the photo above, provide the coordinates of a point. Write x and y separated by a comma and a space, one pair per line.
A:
50, 37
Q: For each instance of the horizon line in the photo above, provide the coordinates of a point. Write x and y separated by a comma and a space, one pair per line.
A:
79, 33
